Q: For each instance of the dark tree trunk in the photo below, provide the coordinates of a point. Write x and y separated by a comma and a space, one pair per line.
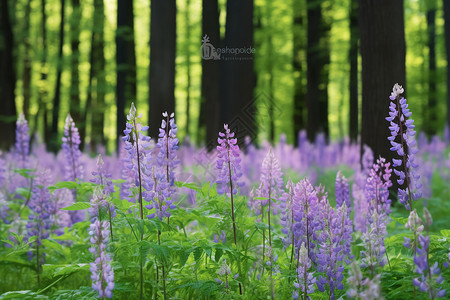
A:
431, 124
7, 79
97, 72
353, 84
54, 142
75, 104
188, 66
209, 111
317, 58
447, 51
383, 65
27, 62
269, 69
43, 93
237, 81
298, 68
125, 63
162, 61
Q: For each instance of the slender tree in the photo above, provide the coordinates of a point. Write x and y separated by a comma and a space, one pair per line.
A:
162, 61
54, 143
353, 83
188, 64
7, 79
125, 63
430, 125
209, 110
383, 65
26, 89
75, 104
96, 98
447, 51
298, 67
317, 59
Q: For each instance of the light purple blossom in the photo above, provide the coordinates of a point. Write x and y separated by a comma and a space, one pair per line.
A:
363, 288
102, 272
304, 284
403, 142
73, 168
342, 191
22, 147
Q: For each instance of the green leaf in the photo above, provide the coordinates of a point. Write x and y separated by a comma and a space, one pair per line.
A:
77, 206
401, 220
25, 172
64, 184
189, 185
218, 255
198, 253
213, 191
260, 198
205, 189
445, 232
25, 192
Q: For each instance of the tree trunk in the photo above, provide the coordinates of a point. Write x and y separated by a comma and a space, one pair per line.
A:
269, 68
162, 62
54, 142
298, 68
27, 62
447, 51
96, 101
237, 103
383, 65
125, 63
209, 111
188, 66
317, 58
75, 104
353, 84
7, 79
431, 124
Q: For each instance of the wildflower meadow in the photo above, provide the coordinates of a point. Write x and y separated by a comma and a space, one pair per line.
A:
164, 219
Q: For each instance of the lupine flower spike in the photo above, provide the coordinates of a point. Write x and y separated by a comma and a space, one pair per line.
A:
102, 272
403, 142
22, 141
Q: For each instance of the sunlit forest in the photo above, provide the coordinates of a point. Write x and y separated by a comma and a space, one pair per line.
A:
235, 149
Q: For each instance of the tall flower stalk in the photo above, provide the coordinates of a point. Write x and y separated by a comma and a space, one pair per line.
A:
22, 146
403, 142
229, 167
287, 219
270, 188
39, 220
137, 148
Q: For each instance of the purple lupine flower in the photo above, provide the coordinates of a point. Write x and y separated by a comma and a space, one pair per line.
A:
228, 162
100, 206
346, 234
102, 178
102, 272
287, 216
342, 191
2, 171
307, 221
331, 256
377, 186
404, 132
430, 276
22, 147
222, 237
163, 176
305, 279
361, 205
360, 288
73, 168
224, 271
271, 180
138, 156
39, 220
126, 174
373, 239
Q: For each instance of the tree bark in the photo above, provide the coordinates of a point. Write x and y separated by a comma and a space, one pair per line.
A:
75, 104
298, 68
317, 58
209, 111
26, 89
162, 62
125, 63
237, 81
54, 142
383, 65
447, 51
7, 79
431, 124
353, 83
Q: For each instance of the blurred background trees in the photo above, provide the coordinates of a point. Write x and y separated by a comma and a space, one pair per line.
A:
315, 67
